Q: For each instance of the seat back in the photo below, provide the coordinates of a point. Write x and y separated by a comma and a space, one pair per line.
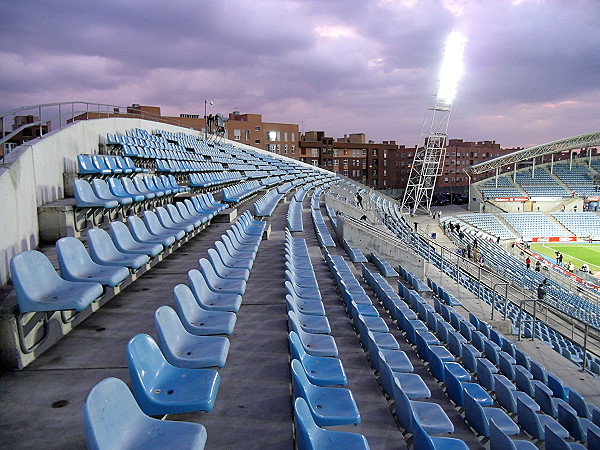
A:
296, 348
101, 245
578, 403
528, 420
469, 360
101, 189
145, 362
83, 192
421, 439
404, 410
538, 371
567, 417
185, 302
116, 187
543, 397
99, 162
505, 397
212, 280
168, 327
85, 165
199, 286
300, 382
454, 388
475, 415
522, 358
73, 258
485, 374
499, 440
33, 278
109, 414
557, 387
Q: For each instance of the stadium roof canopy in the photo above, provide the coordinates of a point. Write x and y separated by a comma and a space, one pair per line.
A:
575, 142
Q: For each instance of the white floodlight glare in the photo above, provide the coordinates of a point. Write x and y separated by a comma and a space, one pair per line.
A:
452, 67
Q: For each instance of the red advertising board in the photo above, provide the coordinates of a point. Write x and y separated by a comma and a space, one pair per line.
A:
554, 239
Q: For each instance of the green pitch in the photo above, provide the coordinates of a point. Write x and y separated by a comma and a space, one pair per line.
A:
578, 253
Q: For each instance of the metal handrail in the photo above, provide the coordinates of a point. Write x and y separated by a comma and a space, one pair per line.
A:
77, 108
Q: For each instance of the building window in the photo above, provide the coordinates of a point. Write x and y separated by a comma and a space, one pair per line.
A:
315, 152
345, 162
293, 137
247, 135
293, 149
345, 172
285, 149
285, 136
315, 162
257, 141
256, 128
335, 152
237, 135
374, 152
336, 162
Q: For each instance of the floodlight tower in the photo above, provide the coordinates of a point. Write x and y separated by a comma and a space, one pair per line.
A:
428, 161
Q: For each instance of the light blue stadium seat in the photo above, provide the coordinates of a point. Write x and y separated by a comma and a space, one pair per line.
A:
232, 260
141, 187
122, 164
126, 243
310, 307
86, 167
478, 418
113, 420
141, 233
431, 416
411, 383
155, 227
534, 424
130, 187
501, 441
321, 371
180, 210
317, 344
423, 441
169, 223
76, 264
456, 388
212, 299
103, 192
219, 284
308, 323
197, 320
309, 436
183, 349
39, 288
161, 388
117, 188
226, 272
104, 251
85, 197
328, 405
99, 162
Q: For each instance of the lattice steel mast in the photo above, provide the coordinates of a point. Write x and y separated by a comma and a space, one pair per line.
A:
428, 161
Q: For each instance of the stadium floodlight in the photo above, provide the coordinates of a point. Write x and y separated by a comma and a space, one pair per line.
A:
429, 156
452, 67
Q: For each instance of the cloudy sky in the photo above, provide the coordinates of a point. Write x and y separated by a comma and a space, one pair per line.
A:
532, 67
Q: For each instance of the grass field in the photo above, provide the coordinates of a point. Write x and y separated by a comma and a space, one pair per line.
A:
577, 252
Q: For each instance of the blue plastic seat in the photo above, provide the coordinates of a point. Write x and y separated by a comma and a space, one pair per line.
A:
76, 264
317, 344
439, 368
197, 320
309, 307
113, 420
219, 284
235, 249
328, 405
155, 227
411, 383
39, 288
309, 436
86, 167
501, 441
122, 164
507, 394
431, 416
308, 323
534, 424
161, 388
209, 299
478, 418
116, 188
555, 442
85, 197
556, 385
141, 233
126, 243
578, 403
183, 349
100, 163
226, 272
397, 360
232, 260
130, 187
321, 371
102, 191
143, 189
180, 210
576, 426
104, 251
456, 388
485, 374
548, 404
525, 382
423, 441
203, 216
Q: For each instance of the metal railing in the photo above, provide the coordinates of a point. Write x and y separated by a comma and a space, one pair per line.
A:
56, 116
